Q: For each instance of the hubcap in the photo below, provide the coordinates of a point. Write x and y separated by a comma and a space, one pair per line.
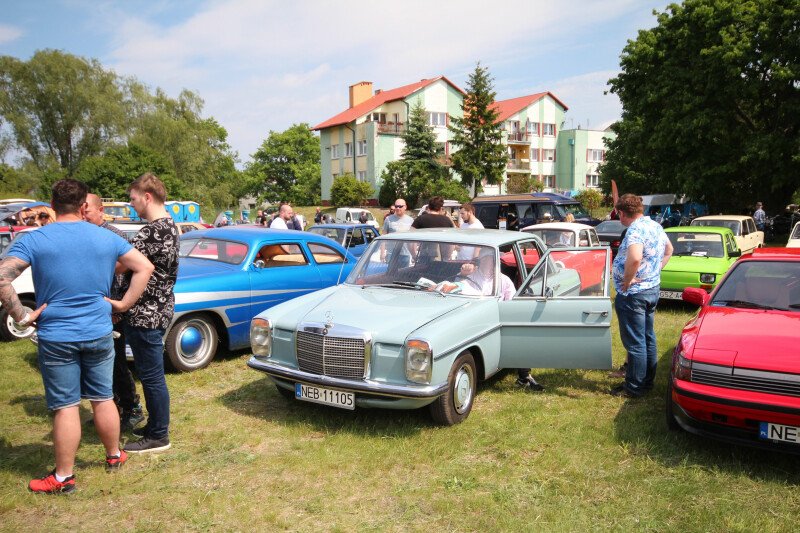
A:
191, 341
462, 393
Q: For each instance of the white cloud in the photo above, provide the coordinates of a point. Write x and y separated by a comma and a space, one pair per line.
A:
9, 33
262, 65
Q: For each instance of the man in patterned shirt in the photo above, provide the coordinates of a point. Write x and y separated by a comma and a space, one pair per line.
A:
149, 318
637, 277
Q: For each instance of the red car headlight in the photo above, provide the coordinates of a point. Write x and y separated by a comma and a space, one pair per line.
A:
681, 362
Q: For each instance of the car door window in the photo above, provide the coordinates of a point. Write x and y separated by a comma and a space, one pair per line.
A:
369, 234
584, 238
280, 255
356, 238
593, 238
487, 214
565, 273
530, 254
324, 254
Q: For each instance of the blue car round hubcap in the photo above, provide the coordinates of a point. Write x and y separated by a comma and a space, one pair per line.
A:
191, 341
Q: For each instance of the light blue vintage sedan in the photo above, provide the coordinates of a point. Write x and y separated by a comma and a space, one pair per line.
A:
226, 276
426, 314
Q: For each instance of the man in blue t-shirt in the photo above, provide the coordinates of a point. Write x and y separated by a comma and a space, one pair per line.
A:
73, 263
637, 277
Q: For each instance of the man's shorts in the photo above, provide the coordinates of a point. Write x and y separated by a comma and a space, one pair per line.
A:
75, 370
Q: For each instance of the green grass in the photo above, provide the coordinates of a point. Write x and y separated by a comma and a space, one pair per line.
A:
243, 458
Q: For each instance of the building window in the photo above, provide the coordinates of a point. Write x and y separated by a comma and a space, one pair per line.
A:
348, 149
592, 180
437, 120
533, 129
595, 156
377, 117
362, 175
549, 181
361, 147
334, 151
549, 130
535, 154
548, 154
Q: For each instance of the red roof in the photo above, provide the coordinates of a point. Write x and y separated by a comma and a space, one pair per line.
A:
379, 99
506, 108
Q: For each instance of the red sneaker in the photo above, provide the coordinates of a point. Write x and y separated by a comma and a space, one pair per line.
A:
50, 485
113, 463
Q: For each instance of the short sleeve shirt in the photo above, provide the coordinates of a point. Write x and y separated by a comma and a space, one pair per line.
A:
278, 223
158, 241
395, 224
653, 239
430, 220
73, 266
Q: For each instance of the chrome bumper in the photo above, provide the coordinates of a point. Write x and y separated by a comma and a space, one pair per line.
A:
360, 387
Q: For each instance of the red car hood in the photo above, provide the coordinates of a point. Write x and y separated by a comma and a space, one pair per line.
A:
749, 338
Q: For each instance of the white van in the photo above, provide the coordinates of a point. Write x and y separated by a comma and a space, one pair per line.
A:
351, 215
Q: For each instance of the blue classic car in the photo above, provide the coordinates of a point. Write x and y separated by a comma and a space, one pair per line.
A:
354, 237
426, 314
228, 275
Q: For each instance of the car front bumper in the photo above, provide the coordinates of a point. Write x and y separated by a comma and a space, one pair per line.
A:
368, 393
740, 435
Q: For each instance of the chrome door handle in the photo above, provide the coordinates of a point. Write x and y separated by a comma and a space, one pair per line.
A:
601, 313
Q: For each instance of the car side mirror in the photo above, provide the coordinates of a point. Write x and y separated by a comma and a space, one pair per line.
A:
259, 263
735, 253
695, 296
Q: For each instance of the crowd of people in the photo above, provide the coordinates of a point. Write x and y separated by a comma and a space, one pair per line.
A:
125, 293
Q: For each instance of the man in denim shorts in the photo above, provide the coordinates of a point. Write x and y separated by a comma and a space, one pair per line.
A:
73, 263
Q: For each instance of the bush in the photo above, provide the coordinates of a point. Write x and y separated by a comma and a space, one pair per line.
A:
348, 191
590, 199
519, 184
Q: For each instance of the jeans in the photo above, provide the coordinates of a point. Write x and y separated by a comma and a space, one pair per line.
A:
75, 370
636, 314
148, 358
124, 387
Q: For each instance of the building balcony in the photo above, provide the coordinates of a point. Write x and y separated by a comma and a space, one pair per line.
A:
444, 160
518, 137
516, 165
391, 128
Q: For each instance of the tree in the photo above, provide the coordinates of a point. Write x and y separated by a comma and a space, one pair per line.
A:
711, 103
520, 183
477, 136
110, 174
60, 107
419, 174
287, 167
590, 199
348, 191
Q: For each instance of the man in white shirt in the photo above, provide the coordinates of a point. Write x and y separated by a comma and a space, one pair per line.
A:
285, 214
397, 223
468, 221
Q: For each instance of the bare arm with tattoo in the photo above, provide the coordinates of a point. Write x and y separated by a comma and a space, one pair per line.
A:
10, 269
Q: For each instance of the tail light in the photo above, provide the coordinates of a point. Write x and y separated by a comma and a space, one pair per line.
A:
615, 244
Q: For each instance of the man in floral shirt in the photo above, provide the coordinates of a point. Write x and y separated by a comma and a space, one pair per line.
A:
149, 318
637, 277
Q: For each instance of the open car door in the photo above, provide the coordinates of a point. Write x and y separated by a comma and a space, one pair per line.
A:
561, 315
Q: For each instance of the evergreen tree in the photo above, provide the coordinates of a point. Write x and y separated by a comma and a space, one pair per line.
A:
419, 138
477, 136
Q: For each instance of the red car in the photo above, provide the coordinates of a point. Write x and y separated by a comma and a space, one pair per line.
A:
735, 372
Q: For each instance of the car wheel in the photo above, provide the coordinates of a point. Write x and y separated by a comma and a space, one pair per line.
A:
672, 424
192, 343
454, 405
8, 330
286, 393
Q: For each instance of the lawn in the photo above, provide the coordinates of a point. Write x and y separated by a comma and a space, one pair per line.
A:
243, 458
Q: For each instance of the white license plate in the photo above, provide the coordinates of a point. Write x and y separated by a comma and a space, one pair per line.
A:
779, 432
336, 398
604, 243
671, 295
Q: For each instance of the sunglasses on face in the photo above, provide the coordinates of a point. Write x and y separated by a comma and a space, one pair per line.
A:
399, 206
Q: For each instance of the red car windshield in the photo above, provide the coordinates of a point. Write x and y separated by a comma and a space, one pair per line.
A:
761, 285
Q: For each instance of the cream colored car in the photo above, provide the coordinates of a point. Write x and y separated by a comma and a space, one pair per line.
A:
742, 226
794, 238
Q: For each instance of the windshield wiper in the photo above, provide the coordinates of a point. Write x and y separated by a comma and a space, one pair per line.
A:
406, 284
744, 304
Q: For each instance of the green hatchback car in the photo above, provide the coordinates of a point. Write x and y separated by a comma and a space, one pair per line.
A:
700, 257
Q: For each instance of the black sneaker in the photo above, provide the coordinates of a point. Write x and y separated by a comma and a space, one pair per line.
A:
529, 384
148, 445
130, 419
621, 392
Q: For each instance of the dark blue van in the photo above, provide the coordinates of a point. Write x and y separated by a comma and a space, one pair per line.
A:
516, 211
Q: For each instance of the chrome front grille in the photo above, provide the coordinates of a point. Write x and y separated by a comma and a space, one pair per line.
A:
743, 379
328, 355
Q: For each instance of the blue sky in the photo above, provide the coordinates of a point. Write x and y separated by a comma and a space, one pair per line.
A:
264, 65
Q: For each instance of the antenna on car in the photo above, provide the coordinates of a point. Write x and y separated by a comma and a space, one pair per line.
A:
348, 239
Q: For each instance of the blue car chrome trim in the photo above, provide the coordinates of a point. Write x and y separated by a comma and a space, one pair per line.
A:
365, 386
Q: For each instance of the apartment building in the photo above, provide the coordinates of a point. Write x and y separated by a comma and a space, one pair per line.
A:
366, 136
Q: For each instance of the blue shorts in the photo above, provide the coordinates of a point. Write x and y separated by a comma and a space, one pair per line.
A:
75, 370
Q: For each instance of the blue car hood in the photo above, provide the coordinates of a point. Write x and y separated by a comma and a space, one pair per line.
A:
390, 315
